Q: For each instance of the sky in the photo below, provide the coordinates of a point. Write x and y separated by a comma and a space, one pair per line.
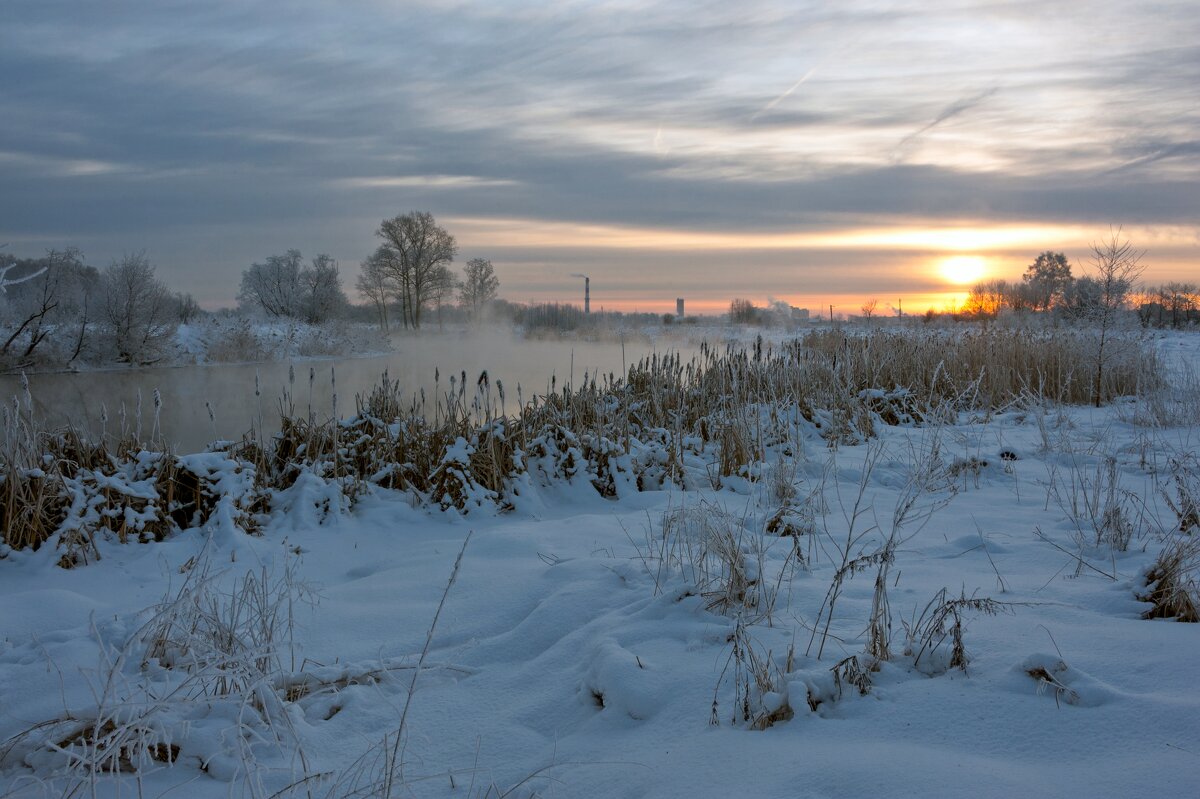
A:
813, 152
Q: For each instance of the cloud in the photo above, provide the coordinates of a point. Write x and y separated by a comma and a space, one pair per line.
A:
150, 121
959, 106
43, 166
1160, 152
422, 181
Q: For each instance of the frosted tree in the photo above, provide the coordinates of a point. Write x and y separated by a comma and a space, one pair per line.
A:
51, 304
1116, 268
283, 287
274, 285
137, 308
479, 285
321, 295
9, 266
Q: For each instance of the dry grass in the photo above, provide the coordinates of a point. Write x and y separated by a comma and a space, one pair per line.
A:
986, 366
462, 449
760, 697
851, 671
1184, 501
59, 482
1103, 512
212, 645
705, 546
1049, 680
1171, 584
942, 619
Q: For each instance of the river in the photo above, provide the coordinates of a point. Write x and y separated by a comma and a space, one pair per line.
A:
188, 392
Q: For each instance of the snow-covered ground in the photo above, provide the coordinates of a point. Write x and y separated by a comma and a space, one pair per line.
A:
581, 650
234, 339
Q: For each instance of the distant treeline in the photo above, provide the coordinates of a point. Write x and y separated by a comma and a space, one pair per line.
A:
1048, 287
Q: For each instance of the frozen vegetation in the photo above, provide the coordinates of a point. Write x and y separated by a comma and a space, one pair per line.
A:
895, 563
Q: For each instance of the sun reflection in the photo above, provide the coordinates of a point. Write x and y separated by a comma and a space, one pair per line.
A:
963, 270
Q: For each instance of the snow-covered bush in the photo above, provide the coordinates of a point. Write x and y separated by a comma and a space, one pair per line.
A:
236, 343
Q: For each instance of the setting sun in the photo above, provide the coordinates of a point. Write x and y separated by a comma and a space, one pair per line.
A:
962, 269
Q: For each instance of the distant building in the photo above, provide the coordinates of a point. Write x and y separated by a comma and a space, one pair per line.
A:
799, 314
679, 307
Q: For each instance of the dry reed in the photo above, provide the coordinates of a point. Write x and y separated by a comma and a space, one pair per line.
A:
461, 449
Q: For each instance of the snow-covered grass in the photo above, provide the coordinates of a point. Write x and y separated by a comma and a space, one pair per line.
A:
706, 579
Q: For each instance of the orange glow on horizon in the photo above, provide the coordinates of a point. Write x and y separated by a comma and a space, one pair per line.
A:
844, 305
927, 264
980, 237
963, 270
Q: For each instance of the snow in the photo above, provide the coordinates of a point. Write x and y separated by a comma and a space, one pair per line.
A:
579, 654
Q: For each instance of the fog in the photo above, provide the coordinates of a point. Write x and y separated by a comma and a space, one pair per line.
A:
187, 392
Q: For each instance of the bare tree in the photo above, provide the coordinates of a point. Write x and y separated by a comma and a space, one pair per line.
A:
479, 285
53, 300
416, 246
274, 286
283, 287
985, 300
31, 305
137, 308
1116, 267
186, 308
868, 308
375, 283
81, 305
742, 312
1082, 299
321, 296
1181, 299
441, 287
7, 266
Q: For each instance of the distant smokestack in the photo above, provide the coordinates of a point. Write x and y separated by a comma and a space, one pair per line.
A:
587, 292
679, 307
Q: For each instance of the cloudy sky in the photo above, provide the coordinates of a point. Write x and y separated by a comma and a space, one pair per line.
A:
811, 151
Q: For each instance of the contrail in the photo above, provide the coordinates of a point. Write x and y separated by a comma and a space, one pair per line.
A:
783, 96
1183, 148
954, 109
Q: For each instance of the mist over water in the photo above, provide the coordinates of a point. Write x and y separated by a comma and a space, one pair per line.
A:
77, 398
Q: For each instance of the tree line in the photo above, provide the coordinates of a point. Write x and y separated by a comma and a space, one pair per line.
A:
1048, 286
59, 309
58, 303
406, 275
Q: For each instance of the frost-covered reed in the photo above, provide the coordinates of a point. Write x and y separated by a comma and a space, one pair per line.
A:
666, 421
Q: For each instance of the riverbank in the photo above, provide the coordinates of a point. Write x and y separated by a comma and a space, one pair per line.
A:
750, 599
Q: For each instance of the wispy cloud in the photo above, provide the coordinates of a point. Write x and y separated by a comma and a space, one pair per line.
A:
49, 166
421, 181
190, 124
